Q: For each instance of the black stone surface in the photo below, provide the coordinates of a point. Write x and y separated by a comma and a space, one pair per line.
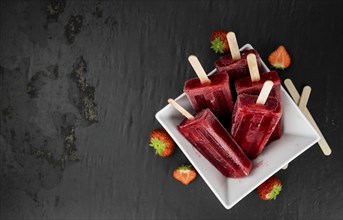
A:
81, 81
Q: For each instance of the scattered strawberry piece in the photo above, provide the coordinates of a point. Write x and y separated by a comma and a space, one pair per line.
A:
280, 58
270, 188
161, 141
185, 174
219, 42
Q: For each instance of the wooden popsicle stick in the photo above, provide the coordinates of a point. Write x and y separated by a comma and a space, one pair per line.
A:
263, 96
296, 97
183, 111
199, 70
234, 50
304, 98
253, 68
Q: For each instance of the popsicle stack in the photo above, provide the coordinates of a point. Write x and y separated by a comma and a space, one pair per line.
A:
235, 64
238, 110
252, 85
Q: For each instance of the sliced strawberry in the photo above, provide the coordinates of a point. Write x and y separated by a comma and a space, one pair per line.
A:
280, 58
185, 174
270, 188
161, 141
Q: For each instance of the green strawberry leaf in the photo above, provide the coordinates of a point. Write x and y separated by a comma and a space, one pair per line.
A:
184, 167
158, 145
217, 45
274, 192
279, 67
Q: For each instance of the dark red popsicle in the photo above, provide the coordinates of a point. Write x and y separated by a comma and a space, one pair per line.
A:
236, 69
253, 124
211, 139
215, 95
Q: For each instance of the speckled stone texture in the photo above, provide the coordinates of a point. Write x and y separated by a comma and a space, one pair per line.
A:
81, 81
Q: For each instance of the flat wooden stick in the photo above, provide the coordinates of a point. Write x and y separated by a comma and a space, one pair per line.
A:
253, 68
183, 111
296, 97
234, 50
304, 98
198, 69
263, 96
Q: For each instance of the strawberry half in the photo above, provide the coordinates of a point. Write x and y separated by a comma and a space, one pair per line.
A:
185, 174
280, 58
270, 188
219, 42
161, 141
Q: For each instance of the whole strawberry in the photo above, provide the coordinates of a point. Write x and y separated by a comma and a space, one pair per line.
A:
185, 174
161, 141
270, 188
219, 42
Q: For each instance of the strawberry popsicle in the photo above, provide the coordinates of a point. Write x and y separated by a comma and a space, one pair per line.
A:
212, 140
254, 120
236, 69
252, 85
210, 92
235, 64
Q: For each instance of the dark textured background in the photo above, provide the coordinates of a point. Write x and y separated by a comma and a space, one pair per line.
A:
81, 81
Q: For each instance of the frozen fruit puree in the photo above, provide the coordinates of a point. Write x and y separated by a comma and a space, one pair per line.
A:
246, 86
211, 139
215, 95
253, 124
236, 69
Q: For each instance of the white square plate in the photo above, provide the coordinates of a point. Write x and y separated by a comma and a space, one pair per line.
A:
298, 136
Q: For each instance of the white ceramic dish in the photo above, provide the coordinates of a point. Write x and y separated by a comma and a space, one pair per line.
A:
297, 137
